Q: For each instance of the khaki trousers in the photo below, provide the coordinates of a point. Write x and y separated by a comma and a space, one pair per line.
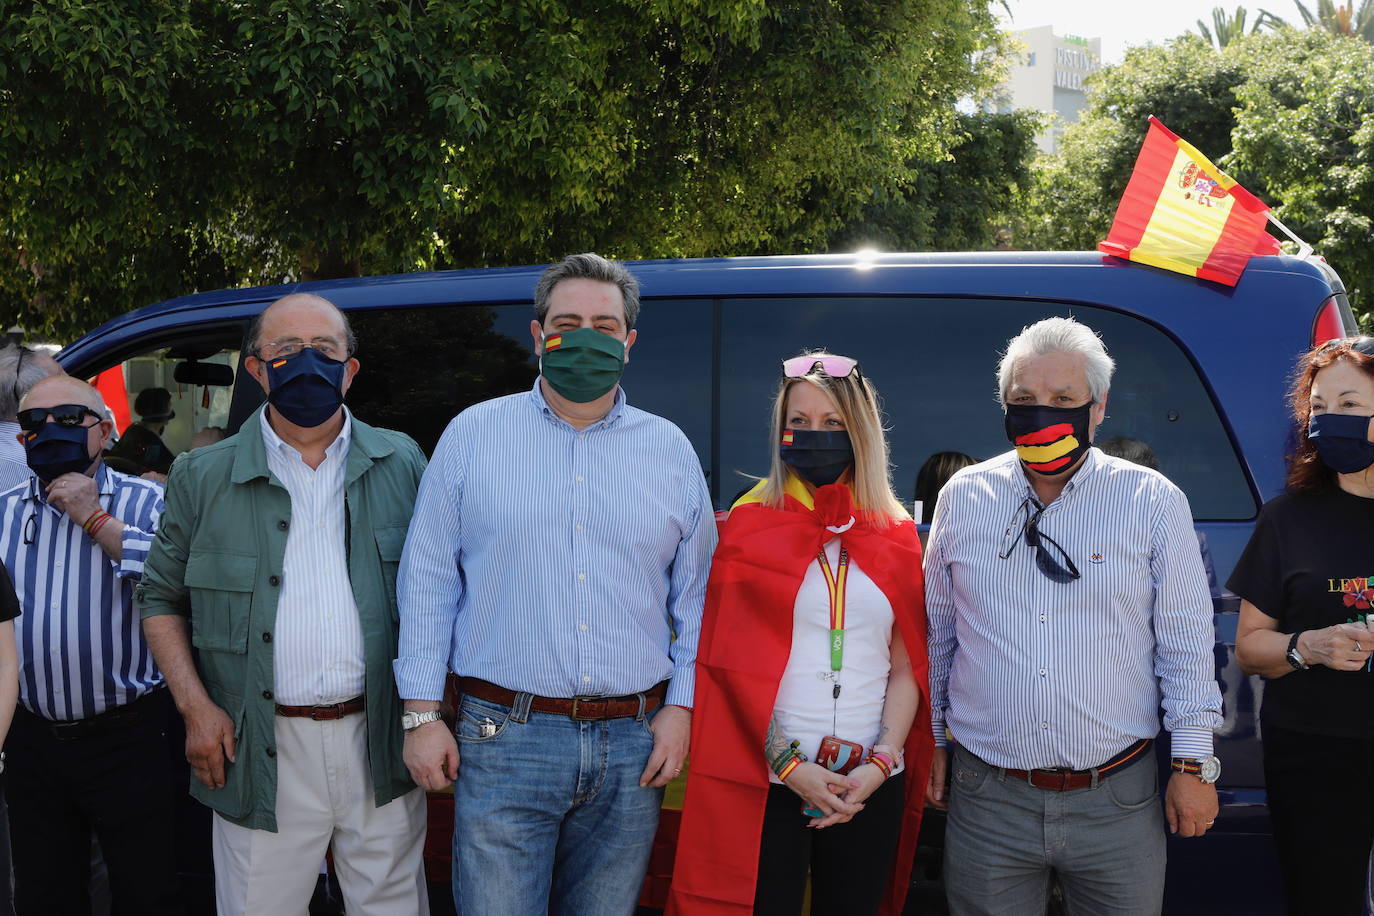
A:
324, 801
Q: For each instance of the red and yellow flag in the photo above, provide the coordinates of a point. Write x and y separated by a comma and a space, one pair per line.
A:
1182, 213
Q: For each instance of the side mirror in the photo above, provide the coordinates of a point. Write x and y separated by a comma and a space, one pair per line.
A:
193, 372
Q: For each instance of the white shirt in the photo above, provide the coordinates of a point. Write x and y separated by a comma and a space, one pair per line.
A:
14, 464
318, 646
806, 709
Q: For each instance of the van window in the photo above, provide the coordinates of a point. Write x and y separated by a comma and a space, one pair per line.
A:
934, 364
197, 377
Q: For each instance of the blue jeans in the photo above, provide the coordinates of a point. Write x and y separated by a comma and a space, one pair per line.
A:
548, 812
1105, 842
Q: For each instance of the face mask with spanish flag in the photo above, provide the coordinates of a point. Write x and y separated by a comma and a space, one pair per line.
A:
1048, 439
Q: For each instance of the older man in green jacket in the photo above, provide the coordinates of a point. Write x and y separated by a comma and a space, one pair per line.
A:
276, 559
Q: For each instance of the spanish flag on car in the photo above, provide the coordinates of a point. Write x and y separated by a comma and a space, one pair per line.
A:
1182, 213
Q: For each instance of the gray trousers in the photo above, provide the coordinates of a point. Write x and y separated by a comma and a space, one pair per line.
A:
1105, 842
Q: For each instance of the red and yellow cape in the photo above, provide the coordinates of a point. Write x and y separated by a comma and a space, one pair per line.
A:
745, 642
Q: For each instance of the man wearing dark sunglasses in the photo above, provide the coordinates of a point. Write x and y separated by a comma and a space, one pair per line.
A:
1067, 602
88, 749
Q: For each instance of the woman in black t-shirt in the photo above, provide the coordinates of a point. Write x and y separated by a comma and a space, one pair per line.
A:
1307, 625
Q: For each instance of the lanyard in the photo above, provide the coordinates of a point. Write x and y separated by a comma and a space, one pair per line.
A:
835, 583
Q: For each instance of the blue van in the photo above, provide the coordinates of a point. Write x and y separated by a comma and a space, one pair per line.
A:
1202, 375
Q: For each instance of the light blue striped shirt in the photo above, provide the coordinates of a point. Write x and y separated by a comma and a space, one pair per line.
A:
1027, 672
556, 561
14, 463
81, 646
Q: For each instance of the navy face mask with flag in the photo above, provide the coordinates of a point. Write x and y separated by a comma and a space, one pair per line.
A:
819, 456
55, 450
306, 388
1048, 439
1342, 441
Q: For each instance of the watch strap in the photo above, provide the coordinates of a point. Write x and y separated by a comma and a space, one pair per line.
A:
1293, 656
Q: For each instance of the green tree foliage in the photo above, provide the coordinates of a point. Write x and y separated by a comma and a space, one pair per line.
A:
1226, 26
155, 148
1338, 19
959, 202
1289, 114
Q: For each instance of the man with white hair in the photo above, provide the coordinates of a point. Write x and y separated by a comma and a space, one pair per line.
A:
1067, 601
88, 748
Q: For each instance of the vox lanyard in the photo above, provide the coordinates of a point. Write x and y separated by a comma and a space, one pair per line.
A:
835, 583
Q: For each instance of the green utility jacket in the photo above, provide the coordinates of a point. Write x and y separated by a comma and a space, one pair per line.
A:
218, 560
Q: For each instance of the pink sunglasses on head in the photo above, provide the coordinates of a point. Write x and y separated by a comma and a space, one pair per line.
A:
833, 366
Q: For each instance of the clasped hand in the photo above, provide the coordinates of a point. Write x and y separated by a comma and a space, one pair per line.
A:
1343, 647
837, 797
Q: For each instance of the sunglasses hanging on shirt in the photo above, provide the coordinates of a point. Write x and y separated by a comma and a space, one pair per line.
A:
1052, 560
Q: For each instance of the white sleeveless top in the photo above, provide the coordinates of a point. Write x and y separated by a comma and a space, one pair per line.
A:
805, 709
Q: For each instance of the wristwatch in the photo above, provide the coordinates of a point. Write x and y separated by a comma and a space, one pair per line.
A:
1207, 769
1294, 656
413, 720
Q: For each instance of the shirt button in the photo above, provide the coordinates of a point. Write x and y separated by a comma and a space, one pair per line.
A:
267, 694
586, 679
582, 627
1042, 672
581, 575
267, 637
578, 527
274, 580
580, 478
1044, 725
1042, 618
283, 525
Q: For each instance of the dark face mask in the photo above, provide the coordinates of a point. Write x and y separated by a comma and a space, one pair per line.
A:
582, 364
306, 388
1048, 439
55, 450
819, 456
1342, 441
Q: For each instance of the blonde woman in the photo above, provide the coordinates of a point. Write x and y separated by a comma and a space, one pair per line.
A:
811, 735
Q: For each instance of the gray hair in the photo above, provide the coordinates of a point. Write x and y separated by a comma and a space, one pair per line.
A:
255, 328
588, 266
1058, 335
30, 374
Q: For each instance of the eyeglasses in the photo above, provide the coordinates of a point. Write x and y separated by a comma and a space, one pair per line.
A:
1050, 558
288, 348
32, 419
833, 366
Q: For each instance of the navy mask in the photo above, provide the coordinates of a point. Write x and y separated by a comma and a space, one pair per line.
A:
1342, 441
1048, 439
55, 450
305, 388
819, 456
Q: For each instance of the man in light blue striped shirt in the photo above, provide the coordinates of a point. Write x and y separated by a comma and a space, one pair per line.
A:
1067, 603
557, 563
88, 747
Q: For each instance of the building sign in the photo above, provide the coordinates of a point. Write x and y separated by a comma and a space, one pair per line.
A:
1071, 67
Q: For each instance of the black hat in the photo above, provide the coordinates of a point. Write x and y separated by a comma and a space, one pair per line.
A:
154, 404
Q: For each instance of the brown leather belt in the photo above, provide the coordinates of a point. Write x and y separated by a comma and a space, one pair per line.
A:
1060, 779
323, 713
587, 708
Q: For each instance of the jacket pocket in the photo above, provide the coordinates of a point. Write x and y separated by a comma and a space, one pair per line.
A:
221, 588
391, 541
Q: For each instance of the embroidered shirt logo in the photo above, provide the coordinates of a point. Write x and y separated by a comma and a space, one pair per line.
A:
1095, 558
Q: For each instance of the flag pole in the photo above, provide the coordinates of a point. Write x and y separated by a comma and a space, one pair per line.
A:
1304, 249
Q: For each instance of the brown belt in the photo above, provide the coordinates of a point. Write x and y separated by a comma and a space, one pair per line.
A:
590, 708
1062, 780
323, 713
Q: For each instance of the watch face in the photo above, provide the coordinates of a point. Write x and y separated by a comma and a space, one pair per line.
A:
1209, 768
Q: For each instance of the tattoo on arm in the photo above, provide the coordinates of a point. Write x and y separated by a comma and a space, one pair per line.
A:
775, 742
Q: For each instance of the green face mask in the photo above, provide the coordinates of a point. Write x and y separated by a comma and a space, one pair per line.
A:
582, 365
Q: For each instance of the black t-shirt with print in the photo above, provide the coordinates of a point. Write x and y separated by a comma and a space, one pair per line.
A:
1309, 565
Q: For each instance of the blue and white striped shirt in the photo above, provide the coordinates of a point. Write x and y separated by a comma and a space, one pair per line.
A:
14, 462
1027, 672
553, 560
81, 646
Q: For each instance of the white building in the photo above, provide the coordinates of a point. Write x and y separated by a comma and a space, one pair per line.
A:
1049, 76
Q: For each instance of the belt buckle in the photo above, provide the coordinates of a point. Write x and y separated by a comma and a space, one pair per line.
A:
576, 703
317, 713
